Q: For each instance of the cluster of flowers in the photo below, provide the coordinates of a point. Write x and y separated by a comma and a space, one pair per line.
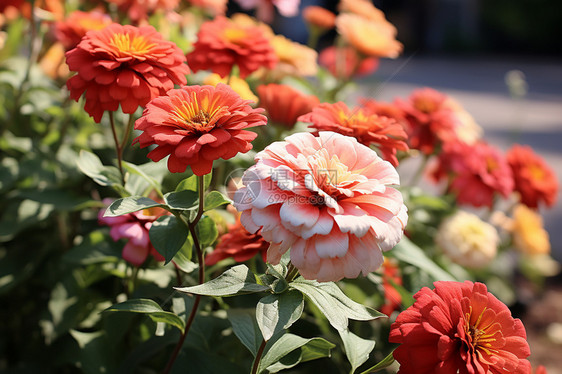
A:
329, 195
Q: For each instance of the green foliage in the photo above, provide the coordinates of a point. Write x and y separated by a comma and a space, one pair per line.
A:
168, 236
357, 349
275, 313
151, 309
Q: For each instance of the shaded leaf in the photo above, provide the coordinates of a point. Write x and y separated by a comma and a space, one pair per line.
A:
356, 348
214, 199
92, 166
181, 200
129, 205
275, 313
150, 308
168, 235
207, 231
386, 362
245, 328
410, 253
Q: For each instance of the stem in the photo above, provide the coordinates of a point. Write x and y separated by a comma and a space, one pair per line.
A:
420, 171
127, 133
258, 357
118, 148
201, 259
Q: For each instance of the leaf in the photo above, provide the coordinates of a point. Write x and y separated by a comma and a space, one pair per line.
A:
151, 308
410, 253
92, 166
182, 259
134, 169
190, 183
206, 230
168, 235
333, 303
129, 205
236, 280
386, 362
275, 313
357, 349
311, 349
214, 199
181, 200
245, 328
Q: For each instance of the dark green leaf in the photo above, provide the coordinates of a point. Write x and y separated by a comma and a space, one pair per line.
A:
245, 328
129, 205
357, 349
168, 235
386, 362
181, 200
214, 199
150, 308
275, 313
410, 253
206, 231
238, 279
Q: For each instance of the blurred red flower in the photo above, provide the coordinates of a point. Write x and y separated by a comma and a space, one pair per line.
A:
138, 10
345, 62
431, 122
71, 30
478, 172
320, 17
392, 298
284, 104
239, 244
222, 43
368, 128
123, 65
196, 125
534, 179
459, 328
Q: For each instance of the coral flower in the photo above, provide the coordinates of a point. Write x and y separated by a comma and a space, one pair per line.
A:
467, 240
196, 125
134, 227
345, 62
70, 31
138, 10
534, 179
222, 43
529, 235
478, 172
540, 370
284, 104
459, 328
431, 121
329, 199
371, 38
123, 65
369, 128
319, 17
382, 108
239, 244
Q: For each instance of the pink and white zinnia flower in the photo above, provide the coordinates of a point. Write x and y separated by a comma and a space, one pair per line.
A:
328, 198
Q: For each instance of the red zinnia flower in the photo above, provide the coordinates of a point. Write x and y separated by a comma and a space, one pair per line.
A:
196, 125
239, 244
284, 104
70, 31
222, 43
534, 179
431, 122
459, 328
345, 62
124, 65
478, 172
368, 128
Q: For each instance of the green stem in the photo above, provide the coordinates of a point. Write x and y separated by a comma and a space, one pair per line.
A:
118, 148
191, 226
127, 133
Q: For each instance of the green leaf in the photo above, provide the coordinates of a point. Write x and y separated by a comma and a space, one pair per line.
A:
181, 200
311, 349
236, 280
183, 257
245, 328
91, 165
357, 349
191, 183
410, 253
214, 199
134, 169
151, 308
275, 313
386, 362
206, 230
333, 303
129, 205
168, 235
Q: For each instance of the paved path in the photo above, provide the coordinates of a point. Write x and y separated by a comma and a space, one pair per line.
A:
479, 85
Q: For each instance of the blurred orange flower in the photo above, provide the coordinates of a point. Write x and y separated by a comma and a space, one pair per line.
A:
294, 58
138, 10
363, 8
345, 62
52, 63
71, 30
284, 104
529, 235
319, 17
240, 86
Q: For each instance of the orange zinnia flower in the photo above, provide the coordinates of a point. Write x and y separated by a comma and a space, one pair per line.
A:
529, 235
319, 17
221, 44
284, 104
196, 125
534, 179
294, 58
70, 31
123, 65
346, 62
368, 128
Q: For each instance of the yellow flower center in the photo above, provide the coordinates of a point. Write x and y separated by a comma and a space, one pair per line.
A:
131, 45
235, 35
357, 121
537, 173
91, 24
197, 115
491, 164
425, 105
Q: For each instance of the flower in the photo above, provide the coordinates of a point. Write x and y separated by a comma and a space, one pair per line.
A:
214, 7
371, 38
52, 63
294, 59
459, 328
240, 86
196, 125
431, 121
368, 128
363, 8
239, 244
385, 109
478, 178
529, 235
534, 179
467, 240
345, 62
138, 10
73, 28
222, 43
265, 11
123, 65
466, 129
284, 104
319, 17
134, 227
329, 199
390, 276
540, 370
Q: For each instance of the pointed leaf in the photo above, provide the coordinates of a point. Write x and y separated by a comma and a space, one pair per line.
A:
236, 280
356, 348
386, 362
129, 205
275, 313
91, 165
150, 308
214, 199
190, 183
207, 231
181, 200
168, 235
245, 328
134, 169
410, 253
